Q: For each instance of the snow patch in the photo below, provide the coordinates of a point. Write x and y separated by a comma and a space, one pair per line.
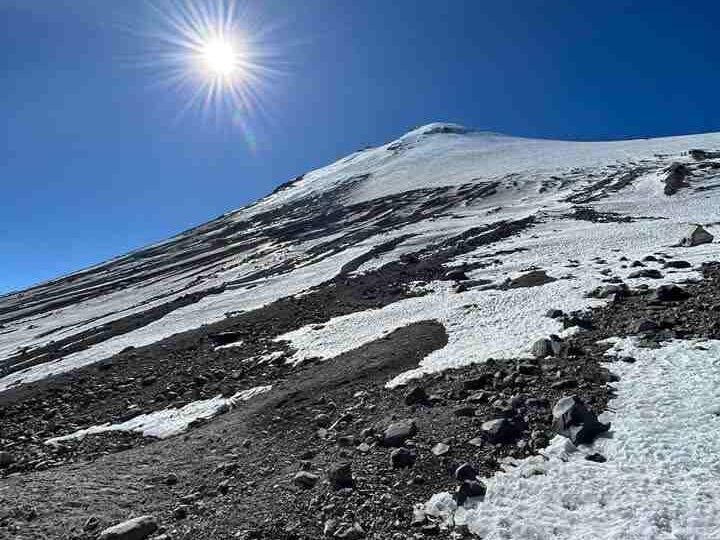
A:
169, 422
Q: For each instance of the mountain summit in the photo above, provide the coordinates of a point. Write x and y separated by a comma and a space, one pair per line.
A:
457, 331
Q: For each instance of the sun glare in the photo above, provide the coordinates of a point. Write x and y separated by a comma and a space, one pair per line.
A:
214, 57
220, 57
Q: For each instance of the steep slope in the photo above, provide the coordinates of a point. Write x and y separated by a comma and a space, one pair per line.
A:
449, 243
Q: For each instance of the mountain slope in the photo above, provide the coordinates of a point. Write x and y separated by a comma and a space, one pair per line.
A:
450, 243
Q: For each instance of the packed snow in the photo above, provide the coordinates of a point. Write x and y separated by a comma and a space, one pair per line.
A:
169, 422
661, 480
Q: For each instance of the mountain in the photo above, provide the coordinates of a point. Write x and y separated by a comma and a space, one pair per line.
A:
381, 347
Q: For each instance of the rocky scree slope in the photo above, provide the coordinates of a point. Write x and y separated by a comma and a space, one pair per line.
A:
358, 353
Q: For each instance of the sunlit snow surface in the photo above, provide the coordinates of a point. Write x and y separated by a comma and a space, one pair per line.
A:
499, 325
169, 422
662, 477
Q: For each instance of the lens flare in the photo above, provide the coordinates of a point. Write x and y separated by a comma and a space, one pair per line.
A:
213, 56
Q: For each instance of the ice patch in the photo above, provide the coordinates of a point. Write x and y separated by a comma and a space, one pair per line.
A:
169, 422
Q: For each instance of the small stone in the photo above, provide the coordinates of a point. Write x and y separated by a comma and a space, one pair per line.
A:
91, 524
180, 512
354, 532
396, 434
465, 472
306, 480
554, 313
6, 458
470, 489
137, 528
696, 236
650, 273
322, 420
330, 527
677, 264
647, 326
402, 458
670, 293
440, 449
171, 479
541, 348
500, 431
416, 396
456, 275
340, 475
596, 457
572, 419
464, 412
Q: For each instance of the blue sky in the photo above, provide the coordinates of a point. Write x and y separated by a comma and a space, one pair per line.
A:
94, 162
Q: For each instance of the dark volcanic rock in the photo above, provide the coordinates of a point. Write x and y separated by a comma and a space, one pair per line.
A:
670, 293
651, 273
305, 479
456, 275
340, 475
696, 236
401, 458
675, 179
396, 434
416, 396
133, 529
534, 278
500, 431
572, 419
542, 348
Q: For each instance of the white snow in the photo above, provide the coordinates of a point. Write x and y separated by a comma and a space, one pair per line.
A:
662, 477
169, 422
423, 158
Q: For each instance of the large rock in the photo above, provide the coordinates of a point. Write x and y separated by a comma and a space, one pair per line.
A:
6, 458
670, 293
675, 179
396, 434
696, 236
416, 396
651, 273
340, 475
305, 479
500, 431
572, 419
401, 458
137, 528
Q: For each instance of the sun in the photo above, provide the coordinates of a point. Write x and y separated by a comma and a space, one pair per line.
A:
220, 57
213, 56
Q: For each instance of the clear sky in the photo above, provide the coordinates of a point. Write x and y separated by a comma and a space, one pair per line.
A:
95, 159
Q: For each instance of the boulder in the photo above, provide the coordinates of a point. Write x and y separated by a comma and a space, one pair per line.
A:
305, 479
396, 434
677, 264
651, 273
466, 472
500, 431
670, 293
137, 528
401, 458
416, 396
534, 278
572, 419
440, 449
469, 489
541, 348
456, 275
675, 178
340, 475
696, 236
6, 458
